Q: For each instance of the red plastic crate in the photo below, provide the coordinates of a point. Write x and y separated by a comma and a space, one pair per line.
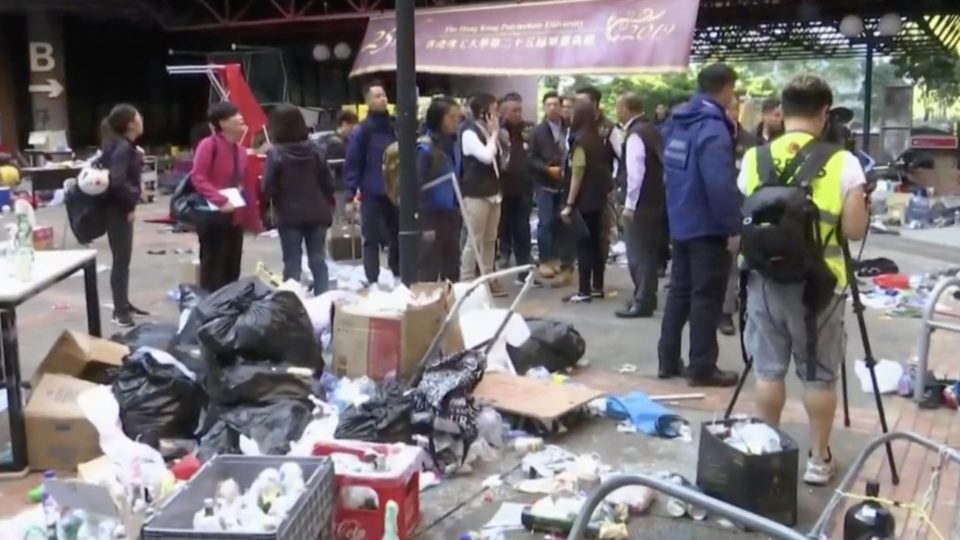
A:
401, 486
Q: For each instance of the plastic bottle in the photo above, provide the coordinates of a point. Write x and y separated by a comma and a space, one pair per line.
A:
51, 513
869, 520
206, 520
390, 521
956, 218
23, 241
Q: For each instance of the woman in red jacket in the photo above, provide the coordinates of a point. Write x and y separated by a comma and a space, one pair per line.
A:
220, 163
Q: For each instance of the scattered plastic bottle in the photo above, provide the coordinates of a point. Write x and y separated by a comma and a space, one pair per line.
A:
206, 520
528, 444
23, 241
51, 513
390, 526
869, 520
956, 218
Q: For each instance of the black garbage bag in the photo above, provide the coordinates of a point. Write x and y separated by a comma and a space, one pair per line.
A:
554, 345
384, 418
248, 319
155, 335
157, 398
261, 401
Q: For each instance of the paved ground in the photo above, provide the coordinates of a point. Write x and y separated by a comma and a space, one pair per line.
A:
460, 504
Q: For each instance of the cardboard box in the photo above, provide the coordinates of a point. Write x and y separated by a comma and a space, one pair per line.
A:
58, 436
344, 242
370, 342
190, 272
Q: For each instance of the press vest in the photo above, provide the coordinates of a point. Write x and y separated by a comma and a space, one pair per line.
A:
827, 193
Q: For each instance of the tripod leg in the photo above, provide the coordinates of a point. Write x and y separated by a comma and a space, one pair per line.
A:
736, 392
846, 399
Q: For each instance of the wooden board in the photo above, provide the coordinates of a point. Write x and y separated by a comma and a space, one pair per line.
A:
532, 398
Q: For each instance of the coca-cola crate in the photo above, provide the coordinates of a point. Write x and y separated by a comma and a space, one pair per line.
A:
401, 485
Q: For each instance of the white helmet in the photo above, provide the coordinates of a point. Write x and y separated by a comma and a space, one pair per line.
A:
93, 181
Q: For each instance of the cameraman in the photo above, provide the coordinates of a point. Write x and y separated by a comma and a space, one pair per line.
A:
777, 316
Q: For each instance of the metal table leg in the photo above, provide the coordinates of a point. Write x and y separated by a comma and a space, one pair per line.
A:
92, 298
12, 384
929, 325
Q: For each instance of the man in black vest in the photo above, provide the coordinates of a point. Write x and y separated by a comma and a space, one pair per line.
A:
641, 171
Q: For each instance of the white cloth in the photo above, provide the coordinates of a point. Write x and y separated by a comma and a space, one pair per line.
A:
636, 164
851, 175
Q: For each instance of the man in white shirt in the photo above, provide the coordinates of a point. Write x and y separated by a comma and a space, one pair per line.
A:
641, 172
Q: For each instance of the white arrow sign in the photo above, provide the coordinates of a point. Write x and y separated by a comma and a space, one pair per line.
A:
53, 88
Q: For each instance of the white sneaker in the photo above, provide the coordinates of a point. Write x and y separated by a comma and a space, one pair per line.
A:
819, 471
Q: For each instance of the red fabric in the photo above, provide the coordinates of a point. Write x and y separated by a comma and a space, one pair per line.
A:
241, 95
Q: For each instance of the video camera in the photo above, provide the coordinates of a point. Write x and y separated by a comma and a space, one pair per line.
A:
836, 130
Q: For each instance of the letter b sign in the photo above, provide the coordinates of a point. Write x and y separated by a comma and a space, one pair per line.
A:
41, 57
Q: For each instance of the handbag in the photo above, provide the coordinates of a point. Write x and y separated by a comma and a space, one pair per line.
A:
188, 206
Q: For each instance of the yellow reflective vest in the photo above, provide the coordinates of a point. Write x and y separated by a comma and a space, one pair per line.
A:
827, 193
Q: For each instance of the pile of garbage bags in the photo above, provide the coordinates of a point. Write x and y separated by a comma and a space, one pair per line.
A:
240, 364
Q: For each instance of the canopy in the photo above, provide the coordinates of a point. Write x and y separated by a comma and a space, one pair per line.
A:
565, 37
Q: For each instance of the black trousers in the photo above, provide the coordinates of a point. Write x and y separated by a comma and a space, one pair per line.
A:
515, 228
440, 249
379, 224
643, 240
698, 282
120, 238
591, 253
221, 251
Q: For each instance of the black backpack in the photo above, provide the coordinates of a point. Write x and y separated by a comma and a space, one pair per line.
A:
781, 237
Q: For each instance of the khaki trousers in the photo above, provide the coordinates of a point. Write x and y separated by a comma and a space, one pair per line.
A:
483, 217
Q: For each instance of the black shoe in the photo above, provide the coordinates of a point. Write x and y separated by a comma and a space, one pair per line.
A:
726, 326
123, 320
678, 370
634, 312
134, 310
717, 377
598, 294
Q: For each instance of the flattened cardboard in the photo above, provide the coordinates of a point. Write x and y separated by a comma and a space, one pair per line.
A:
58, 435
532, 398
374, 342
82, 356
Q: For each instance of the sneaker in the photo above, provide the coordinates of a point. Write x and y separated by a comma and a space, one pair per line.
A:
819, 471
598, 294
134, 310
726, 326
717, 378
123, 320
577, 298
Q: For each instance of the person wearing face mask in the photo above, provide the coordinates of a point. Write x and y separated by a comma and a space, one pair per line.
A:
782, 315
480, 186
122, 127
220, 163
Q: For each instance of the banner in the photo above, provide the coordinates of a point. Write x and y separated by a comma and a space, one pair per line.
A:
543, 38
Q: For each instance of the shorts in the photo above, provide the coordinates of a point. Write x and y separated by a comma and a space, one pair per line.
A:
776, 331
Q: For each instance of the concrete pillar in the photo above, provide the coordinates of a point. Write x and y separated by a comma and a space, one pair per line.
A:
8, 100
48, 96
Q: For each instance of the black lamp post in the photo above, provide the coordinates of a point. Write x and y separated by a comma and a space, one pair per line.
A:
407, 141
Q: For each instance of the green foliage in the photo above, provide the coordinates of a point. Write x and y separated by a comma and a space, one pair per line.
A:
936, 75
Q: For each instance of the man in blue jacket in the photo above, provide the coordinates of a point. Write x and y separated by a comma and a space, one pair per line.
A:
703, 206
363, 172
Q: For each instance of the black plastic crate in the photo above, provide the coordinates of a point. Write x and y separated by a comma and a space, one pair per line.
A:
763, 484
311, 517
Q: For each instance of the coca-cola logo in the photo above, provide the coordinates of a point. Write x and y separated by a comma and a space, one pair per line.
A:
350, 530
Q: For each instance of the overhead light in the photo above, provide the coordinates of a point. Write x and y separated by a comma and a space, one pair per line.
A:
321, 52
342, 51
851, 26
889, 25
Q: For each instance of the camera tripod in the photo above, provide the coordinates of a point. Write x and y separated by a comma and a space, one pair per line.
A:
868, 357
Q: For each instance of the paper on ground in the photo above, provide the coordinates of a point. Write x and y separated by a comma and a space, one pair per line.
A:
507, 518
233, 196
888, 376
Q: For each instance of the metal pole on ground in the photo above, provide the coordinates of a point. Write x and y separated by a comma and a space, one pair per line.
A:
407, 141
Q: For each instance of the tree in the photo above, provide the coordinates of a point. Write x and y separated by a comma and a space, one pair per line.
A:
937, 75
